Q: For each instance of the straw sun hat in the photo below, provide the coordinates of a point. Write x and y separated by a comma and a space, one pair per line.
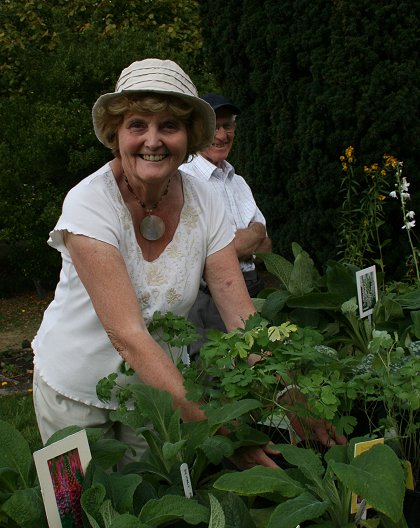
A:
156, 76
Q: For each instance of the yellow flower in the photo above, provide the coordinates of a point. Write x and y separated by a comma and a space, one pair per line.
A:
350, 154
381, 197
390, 161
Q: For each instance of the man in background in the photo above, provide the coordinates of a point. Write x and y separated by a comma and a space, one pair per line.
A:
248, 222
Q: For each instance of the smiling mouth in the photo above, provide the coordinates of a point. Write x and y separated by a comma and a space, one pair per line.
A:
153, 157
219, 145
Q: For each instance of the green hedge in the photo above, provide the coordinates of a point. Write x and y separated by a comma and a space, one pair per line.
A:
313, 77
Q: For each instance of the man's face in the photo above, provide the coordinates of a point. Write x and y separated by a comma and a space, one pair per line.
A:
219, 150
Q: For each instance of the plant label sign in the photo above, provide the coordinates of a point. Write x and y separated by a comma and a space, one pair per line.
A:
186, 481
367, 290
61, 467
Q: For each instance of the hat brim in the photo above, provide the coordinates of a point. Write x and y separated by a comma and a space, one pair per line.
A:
203, 109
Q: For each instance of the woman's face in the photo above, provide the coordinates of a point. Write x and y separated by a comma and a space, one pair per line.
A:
152, 146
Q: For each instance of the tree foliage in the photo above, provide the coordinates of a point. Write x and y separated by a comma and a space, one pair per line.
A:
56, 58
312, 78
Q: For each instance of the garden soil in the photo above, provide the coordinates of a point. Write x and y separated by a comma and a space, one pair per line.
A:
20, 318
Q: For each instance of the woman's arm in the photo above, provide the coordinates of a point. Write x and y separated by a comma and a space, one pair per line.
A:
224, 278
102, 271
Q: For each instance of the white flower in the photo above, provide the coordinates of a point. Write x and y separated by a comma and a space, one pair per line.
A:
393, 194
410, 215
409, 225
405, 185
405, 195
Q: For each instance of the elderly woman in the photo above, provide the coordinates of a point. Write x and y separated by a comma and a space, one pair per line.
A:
135, 237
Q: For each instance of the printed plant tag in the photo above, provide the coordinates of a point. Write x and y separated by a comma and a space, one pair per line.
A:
186, 481
367, 290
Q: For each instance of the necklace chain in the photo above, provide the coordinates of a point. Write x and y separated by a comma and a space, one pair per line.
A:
143, 205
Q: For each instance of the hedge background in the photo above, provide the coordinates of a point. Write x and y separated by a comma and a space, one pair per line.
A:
313, 77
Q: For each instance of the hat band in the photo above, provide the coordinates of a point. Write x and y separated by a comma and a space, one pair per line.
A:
138, 79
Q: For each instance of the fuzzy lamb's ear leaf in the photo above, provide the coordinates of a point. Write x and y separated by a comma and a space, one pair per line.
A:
377, 476
303, 275
26, 509
123, 488
259, 480
305, 459
291, 513
278, 266
171, 508
106, 452
217, 516
231, 411
91, 501
216, 448
15, 453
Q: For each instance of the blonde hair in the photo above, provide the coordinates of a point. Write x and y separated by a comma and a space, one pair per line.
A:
111, 115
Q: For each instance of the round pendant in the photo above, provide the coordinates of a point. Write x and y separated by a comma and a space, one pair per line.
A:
152, 227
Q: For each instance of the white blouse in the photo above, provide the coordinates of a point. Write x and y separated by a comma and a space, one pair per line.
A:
72, 349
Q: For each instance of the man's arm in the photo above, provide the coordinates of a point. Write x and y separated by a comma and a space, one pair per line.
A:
250, 240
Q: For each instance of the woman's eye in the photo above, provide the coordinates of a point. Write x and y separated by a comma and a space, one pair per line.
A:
171, 125
138, 125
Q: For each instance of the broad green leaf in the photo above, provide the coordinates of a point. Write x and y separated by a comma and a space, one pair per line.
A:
127, 521
410, 300
91, 501
274, 304
318, 301
377, 476
170, 450
63, 433
259, 480
415, 317
217, 517
302, 276
15, 453
216, 448
107, 513
291, 513
106, 452
171, 508
26, 508
305, 459
157, 405
235, 510
123, 488
9, 482
341, 280
231, 411
278, 266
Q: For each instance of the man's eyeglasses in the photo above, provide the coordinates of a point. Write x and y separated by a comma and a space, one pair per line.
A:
228, 126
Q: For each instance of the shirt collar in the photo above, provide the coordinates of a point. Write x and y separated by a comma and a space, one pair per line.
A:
210, 170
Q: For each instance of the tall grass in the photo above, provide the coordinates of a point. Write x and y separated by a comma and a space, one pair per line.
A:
19, 412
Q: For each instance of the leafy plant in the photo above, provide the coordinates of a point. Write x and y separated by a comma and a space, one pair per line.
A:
313, 491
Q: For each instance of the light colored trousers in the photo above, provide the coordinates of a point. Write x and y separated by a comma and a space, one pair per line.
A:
54, 412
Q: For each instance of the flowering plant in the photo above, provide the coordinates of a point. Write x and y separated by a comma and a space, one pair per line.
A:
363, 212
401, 193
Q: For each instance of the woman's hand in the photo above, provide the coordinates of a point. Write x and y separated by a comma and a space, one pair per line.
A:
308, 427
250, 456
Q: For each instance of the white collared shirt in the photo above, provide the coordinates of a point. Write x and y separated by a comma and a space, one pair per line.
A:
237, 195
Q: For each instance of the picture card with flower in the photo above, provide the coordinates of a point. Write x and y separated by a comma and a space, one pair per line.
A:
61, 467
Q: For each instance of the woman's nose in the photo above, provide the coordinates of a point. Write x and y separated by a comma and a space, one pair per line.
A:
152, 138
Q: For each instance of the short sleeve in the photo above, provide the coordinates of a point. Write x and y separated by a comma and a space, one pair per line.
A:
220, 230
90, 210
